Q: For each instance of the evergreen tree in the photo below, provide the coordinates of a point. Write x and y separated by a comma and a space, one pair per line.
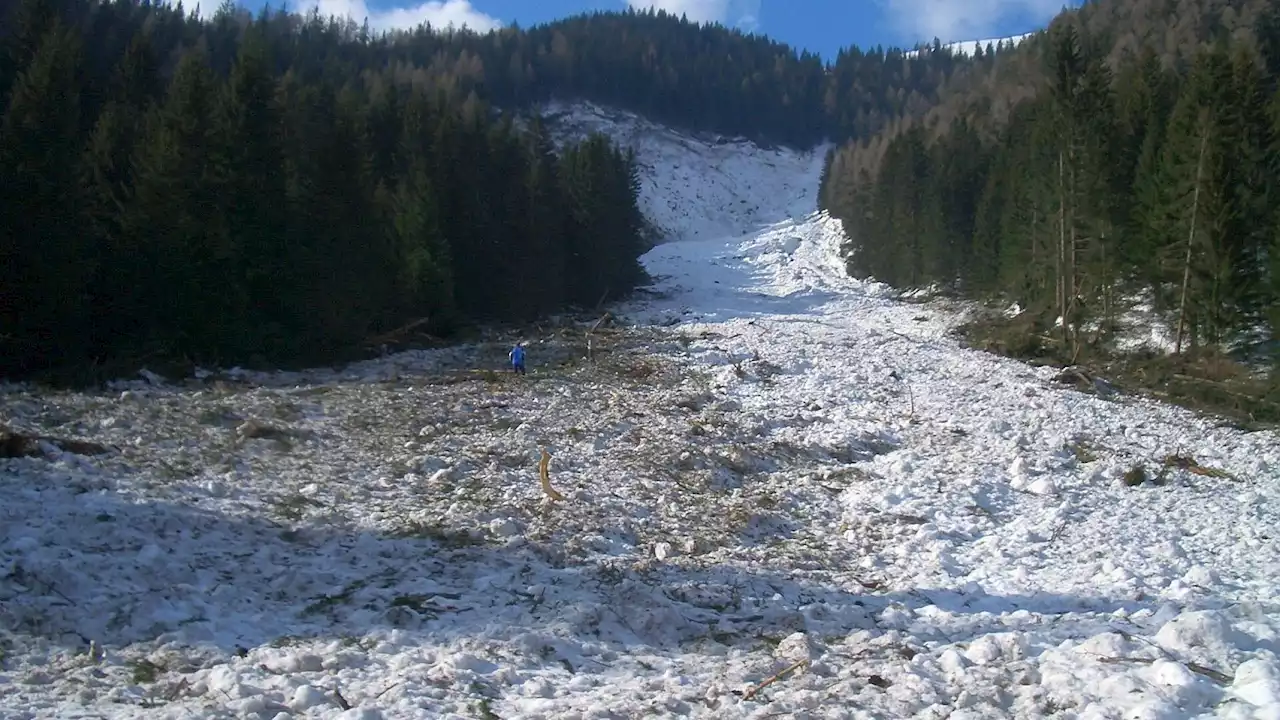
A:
44, 263
1193, 206
423, 257
249, 149
108, 182
545, 220
193, 285
32, 20
338, 268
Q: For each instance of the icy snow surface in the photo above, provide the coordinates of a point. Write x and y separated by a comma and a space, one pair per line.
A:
772, 466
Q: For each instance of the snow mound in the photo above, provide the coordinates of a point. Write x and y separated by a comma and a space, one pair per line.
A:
700, 187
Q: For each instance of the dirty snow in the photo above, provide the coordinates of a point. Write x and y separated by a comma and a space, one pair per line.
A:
770, 467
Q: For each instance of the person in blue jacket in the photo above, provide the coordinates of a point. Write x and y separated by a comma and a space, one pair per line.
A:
517, 358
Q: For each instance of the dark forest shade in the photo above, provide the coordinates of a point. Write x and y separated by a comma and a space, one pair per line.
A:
284, 208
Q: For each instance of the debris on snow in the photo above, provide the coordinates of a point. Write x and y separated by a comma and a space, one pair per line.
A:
796, 537
17, 444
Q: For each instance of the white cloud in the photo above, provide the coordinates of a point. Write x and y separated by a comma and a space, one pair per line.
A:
441, 14
951, 20
734, 13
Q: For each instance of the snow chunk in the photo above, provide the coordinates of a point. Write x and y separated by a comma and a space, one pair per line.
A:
1257, 682
994, 647
307, 697
1043, 486
1204, 636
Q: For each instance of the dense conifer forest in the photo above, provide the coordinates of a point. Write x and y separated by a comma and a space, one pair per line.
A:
1131, 179
279, 188
242, 191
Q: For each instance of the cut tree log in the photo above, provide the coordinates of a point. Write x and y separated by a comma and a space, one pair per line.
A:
17, 445
397, 335
544, 474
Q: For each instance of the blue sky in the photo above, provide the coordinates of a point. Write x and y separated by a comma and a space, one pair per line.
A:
822, 26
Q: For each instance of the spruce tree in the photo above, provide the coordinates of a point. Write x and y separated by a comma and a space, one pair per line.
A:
1193, 207
194, 286
249, 147
31, 22
44, 264
422, 252
108, 184
545, 222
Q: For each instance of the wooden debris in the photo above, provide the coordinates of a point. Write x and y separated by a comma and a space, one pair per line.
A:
544, 473
775, 678
340, 701
16, 445
1191, 465
395, 336
1085, 381
1208, 672
257, 430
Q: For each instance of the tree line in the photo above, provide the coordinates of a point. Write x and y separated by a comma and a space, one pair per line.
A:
1151, 186
278, 187
703, 78
229, 192
985, 90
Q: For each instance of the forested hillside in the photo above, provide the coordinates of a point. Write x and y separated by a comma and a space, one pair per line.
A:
985, 93
279, 189
1134, 176
282, 188
221, 193
694, 77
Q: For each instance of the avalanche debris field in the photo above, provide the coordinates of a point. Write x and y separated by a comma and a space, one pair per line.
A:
770, 491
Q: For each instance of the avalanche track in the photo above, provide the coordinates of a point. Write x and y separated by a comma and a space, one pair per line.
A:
785, 494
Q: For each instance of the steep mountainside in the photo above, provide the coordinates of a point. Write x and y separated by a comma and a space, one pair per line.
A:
984, 92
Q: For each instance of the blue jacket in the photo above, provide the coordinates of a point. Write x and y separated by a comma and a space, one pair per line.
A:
517, 355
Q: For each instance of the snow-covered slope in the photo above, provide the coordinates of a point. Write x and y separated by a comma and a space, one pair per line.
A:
785, 494
700, 188
969, 47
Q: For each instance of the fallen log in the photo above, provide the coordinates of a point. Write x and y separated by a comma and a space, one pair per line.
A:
394, 336
17, 445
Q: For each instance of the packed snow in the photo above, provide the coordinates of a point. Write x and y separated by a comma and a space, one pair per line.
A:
785, 493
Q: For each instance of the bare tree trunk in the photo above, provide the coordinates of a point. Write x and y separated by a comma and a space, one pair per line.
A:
1060, 288
1073, 281
1191, 236
1108, 282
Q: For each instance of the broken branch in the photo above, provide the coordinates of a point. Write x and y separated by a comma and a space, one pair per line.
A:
544, 474
775, 678
397, 334
15, 445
